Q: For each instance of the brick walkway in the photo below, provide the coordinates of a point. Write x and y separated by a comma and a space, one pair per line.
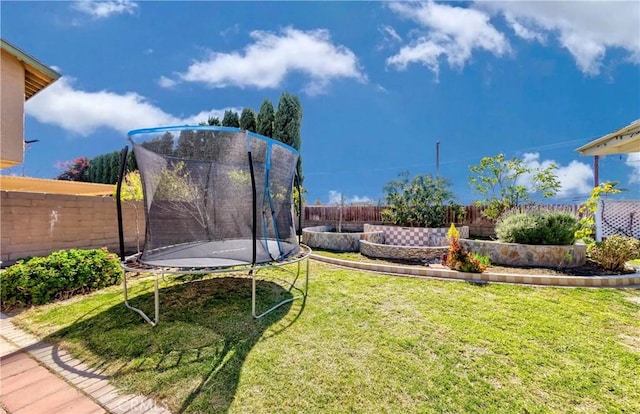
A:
37, 377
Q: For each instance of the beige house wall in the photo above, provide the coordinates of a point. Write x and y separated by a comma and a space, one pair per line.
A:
12, 77
36, 224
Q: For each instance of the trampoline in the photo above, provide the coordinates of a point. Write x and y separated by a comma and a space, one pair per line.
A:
216, 199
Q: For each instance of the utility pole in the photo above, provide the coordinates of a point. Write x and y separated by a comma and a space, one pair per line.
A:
437, 158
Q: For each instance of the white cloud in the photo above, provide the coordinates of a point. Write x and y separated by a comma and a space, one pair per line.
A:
527, 33
104, 9
575, 178
633, 161
450, 33
335, 197
166, 82
586, 29
271, 57
83, 112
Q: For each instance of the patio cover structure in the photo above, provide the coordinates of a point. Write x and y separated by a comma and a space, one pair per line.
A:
623, 141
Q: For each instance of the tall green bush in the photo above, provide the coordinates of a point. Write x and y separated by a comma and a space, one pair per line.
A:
60, 275
420, 202
540, 228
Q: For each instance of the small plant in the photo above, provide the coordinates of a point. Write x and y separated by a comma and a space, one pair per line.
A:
459, 259
613, 252
587, 225
60, 275
538, 228
482, 258
131, 192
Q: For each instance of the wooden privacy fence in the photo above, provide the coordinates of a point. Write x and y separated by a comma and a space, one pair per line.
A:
357, 215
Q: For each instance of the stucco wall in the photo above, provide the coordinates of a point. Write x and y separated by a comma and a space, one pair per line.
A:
11, 111
36, 224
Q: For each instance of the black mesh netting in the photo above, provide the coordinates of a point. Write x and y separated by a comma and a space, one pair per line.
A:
199, 201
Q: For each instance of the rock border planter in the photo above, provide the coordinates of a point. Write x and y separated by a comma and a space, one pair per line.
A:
326, 238
409, 253
415, 236
515, 254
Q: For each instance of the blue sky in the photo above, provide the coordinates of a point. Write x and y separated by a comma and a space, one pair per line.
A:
379, 82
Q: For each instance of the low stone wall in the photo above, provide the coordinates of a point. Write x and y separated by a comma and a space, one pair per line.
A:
405, 253
514, 254
325, 237
415, 236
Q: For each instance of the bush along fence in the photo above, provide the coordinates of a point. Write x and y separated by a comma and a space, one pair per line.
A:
356, 216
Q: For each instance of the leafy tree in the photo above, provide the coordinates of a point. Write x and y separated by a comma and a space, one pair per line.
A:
75, 170
287, 124
248, 120
266, 118
231, 119
420, 202
131, 192
213, 121
499, 181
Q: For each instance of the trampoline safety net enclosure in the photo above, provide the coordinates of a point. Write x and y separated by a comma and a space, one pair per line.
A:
209, 192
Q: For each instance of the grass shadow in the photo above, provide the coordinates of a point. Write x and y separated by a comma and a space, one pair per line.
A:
193, 359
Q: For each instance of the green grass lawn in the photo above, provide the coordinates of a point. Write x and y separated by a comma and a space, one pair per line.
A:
362, 342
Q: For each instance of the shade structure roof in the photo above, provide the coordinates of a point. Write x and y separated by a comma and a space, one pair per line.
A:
41, 185
623, 141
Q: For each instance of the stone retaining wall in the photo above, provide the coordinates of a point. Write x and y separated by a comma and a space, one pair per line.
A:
405, 253
325, 237
415, 236
514, 254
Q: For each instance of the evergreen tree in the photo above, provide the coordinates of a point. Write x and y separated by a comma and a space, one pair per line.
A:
248, 120
231, 119
265, 119
288, 121
213, 121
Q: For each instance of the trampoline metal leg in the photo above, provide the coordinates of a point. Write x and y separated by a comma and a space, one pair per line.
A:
140, 312
284, 302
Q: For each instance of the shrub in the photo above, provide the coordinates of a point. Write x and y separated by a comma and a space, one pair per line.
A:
546, 228
614, 251
459, 259
62, 274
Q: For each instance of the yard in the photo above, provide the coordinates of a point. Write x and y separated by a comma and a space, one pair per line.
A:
362, 342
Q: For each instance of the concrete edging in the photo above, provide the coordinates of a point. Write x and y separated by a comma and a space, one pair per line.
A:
612, 281
77, 374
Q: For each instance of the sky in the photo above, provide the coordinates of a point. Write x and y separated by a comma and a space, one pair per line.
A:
380, 83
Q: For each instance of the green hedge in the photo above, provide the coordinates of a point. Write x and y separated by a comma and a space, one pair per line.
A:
540, 228
62, 274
